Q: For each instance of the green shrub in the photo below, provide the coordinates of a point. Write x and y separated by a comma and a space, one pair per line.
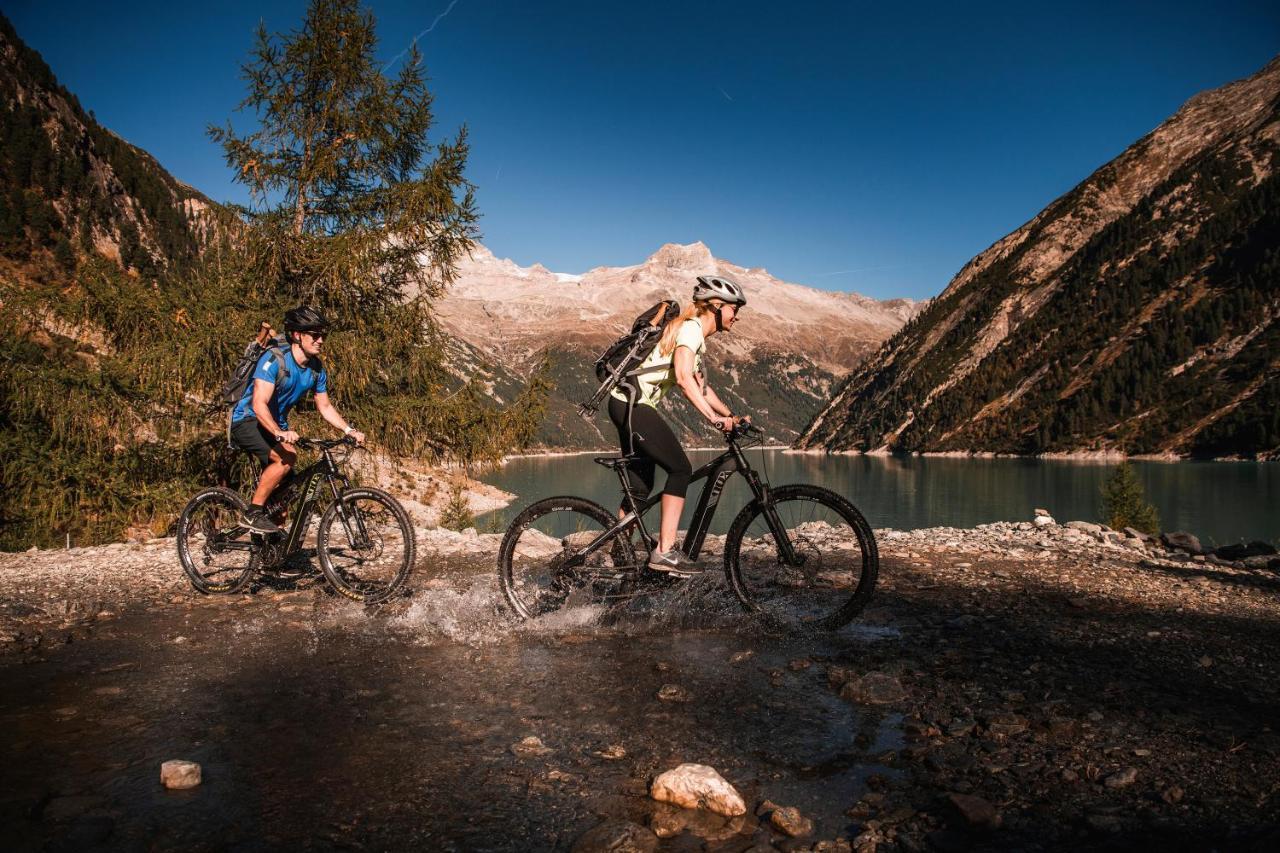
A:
457, 514
1124, 504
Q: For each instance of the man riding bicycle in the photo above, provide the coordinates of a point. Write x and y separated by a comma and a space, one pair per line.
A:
260, 421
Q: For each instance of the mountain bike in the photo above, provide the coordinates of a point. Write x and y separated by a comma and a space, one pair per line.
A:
801, 556
365, 542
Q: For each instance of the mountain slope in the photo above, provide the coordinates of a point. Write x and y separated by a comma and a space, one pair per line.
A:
780, 362
1136, 313
69, 186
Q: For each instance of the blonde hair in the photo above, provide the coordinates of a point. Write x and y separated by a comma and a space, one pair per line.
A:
693, 311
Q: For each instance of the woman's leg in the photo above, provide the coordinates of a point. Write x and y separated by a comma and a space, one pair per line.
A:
654, 438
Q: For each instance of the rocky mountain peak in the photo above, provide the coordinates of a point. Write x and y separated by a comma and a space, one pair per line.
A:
694, 257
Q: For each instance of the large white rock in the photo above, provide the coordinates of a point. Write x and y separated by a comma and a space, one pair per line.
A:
179, 775
697, 786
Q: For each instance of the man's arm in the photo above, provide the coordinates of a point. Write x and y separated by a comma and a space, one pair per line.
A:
263, 389
330, 414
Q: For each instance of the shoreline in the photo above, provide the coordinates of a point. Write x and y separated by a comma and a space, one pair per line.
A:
1106, 457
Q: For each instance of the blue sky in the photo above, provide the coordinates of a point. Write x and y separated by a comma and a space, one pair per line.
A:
848, 146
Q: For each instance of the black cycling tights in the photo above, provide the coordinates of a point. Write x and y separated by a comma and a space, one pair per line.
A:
654, 441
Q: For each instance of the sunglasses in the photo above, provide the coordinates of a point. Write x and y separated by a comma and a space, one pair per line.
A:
316, 336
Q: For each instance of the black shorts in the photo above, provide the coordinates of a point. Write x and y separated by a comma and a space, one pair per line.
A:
251, 437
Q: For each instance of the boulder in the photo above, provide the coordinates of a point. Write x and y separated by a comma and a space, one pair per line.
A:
1042, 521
1134, 533
1240, 551
179, 775
789, 821
697, 786
1086, 527
1182, 542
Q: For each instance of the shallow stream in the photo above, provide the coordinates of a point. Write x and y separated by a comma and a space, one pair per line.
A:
315, 721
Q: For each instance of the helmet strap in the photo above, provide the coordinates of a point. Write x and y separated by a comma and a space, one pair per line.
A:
719, 318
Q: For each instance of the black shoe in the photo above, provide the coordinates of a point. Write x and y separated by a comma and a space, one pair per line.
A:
257, 521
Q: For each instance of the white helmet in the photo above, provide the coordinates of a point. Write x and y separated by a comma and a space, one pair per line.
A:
718, 287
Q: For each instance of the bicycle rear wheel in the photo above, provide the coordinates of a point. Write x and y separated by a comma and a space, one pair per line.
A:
365, 545
216, 552
541, 567
833, 573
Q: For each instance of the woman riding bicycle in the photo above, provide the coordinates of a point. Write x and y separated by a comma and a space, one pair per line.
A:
676, 360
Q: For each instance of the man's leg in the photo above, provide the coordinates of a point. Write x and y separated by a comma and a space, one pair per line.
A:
282, 458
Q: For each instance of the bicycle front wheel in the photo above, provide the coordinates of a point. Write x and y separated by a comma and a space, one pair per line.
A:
820, 577
365, 545
541, 564
216, 552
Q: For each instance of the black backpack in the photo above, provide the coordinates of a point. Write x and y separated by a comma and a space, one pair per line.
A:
267, 341
617, 363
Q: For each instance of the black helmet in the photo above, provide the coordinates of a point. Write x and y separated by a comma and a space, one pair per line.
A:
304, 318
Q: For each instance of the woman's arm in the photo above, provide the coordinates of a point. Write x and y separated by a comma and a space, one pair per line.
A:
694, 390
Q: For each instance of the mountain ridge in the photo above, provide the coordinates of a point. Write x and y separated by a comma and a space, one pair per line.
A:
509, 315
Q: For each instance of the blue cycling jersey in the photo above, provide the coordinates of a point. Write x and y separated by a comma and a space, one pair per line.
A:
287, 394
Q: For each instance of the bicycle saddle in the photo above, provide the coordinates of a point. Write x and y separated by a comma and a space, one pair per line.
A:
616, 462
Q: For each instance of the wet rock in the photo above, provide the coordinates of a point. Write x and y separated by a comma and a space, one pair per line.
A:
616, 836
976, 811
799, 664
1007, 725
874, 688
179, 775
739, 657
960, 727
919, 730
694, 786
1240, 551
1122, 779
613, 752
789, 820
1182, 542
673, 693
531, 747
1172, 795
669, 821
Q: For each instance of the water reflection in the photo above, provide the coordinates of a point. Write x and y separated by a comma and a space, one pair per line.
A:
1218, 501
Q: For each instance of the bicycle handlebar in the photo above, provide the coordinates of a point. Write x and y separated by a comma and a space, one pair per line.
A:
327, 443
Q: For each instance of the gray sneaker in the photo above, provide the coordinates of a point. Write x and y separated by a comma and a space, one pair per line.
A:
673, 562
257, 521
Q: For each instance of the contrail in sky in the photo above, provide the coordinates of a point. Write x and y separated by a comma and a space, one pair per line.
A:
859, 269
727, 96
439, 17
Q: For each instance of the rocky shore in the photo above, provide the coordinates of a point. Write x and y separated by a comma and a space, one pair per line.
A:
1046, 687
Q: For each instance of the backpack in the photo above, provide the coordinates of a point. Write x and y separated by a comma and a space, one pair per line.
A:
266, 341
619, 361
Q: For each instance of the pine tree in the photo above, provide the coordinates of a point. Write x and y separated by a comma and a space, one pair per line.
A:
1124, 504
338, 168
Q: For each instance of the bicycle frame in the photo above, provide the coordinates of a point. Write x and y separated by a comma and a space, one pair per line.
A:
717, 473
304, 504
